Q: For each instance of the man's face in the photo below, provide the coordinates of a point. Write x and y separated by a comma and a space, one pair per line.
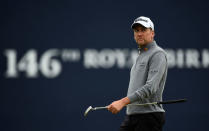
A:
143, 35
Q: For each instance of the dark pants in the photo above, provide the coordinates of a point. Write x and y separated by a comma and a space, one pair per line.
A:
144, 122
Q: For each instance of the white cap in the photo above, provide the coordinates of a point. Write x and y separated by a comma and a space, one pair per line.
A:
144, 21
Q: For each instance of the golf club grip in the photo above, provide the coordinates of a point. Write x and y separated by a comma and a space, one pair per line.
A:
172, 101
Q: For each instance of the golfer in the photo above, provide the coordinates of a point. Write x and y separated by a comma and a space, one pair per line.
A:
147, 80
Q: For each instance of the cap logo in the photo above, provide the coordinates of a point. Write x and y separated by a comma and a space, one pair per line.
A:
140, 19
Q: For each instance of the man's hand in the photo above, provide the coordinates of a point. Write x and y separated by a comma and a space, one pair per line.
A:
116, 106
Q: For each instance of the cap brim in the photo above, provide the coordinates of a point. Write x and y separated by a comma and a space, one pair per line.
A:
140, 23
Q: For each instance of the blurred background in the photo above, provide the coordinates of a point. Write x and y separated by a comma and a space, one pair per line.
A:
59, 57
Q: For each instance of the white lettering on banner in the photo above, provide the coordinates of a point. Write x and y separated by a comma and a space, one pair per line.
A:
171, 58
28, 63
192, 58
180, 58
189, 58
50, 63
72, 55
108, 58
90, 58
11, 63
121, 56
205, 58
49, 66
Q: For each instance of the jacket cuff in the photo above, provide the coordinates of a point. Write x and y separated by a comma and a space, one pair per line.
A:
133, 97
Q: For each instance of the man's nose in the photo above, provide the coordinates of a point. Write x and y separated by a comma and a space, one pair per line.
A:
139, 33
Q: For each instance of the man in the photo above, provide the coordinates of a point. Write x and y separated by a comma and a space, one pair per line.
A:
147, 80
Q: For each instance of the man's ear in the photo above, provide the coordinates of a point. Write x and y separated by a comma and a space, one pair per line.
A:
153, 33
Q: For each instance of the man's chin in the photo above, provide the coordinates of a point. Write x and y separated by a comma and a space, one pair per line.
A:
141, 43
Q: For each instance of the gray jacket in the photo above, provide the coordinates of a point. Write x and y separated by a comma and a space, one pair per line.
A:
147, 79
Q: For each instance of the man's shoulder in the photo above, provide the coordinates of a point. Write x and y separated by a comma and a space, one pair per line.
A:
158, 50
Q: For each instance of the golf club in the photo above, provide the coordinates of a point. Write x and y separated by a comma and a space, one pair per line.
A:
90, 108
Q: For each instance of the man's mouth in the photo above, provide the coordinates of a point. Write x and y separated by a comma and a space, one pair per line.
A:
140, 39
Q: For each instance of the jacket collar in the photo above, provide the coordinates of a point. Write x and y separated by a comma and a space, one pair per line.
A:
147, 46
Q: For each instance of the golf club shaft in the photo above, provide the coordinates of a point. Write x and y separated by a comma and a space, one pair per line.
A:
145, 104
152, 103
172, 101
97, 108
160, 102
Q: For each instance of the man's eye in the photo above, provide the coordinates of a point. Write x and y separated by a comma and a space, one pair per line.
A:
143, 30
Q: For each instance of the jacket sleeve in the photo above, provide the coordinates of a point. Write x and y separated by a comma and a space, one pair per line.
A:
157, 67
